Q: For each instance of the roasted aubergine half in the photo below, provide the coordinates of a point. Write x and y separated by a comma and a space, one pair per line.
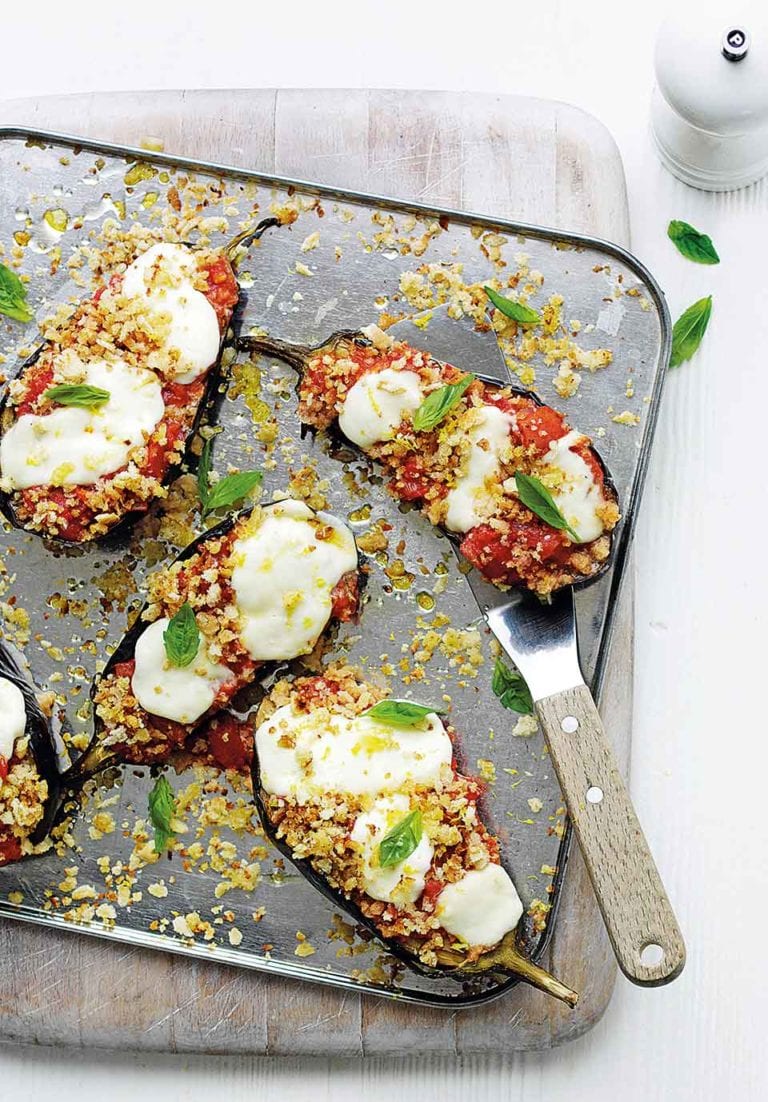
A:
362, 793
29, 775
97, 421
526, 497
259, 588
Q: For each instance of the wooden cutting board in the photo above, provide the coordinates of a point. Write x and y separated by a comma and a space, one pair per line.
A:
526, 159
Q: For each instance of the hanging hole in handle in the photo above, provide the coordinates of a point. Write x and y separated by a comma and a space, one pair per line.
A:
569, 724
651, 955
594, 794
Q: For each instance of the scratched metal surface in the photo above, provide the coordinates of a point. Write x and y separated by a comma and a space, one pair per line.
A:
72, 623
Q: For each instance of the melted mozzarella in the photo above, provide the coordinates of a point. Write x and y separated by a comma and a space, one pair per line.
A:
283, 578
400, 883
578, 496
480, 908
470, 500
162, 277
301, 755
76, 447
375, 405
13, 717
180, 693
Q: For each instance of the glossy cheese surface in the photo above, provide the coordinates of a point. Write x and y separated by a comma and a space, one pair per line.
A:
163, 277
400, 883
71, 446
182, 694
304, 754
470, 500
283, 576
375, 405
13, 717
576, 493
480, 908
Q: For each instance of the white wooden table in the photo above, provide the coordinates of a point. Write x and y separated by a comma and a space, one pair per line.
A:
699, 728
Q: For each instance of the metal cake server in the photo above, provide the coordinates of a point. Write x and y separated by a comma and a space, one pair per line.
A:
541, 640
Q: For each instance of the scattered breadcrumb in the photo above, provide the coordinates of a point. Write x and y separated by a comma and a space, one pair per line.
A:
525, 727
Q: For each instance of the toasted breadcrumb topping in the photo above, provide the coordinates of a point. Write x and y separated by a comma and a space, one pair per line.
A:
509, 543
319, 830
23, 793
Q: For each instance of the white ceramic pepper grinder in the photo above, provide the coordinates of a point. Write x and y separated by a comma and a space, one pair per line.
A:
709, 114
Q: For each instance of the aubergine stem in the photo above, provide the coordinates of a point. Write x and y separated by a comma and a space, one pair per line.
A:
244, 239
96, 759
507, 958
295, 355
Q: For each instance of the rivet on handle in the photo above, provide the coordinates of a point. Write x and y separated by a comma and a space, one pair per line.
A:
641, 923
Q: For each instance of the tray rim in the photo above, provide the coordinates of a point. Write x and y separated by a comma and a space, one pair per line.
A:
617, 574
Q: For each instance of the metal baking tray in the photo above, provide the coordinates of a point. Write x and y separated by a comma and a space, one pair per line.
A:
70, 606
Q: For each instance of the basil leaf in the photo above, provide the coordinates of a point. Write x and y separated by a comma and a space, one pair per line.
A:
204, 473
440, 402
13, 296
401, 841
692, 244
182, 637
510, 687
689, 329
539, 500
228, 491
518, 311
77, 394
162, 804
400, 713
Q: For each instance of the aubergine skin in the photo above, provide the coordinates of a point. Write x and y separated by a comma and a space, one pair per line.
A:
297, 356
124, 524
41, 742
340, 901
97, 757
513, 958
207, 400
321, 884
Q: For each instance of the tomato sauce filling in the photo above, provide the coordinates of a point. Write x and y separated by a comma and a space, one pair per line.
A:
514, 546
11, 843
167, 735
73, 508
10, 848
336, 858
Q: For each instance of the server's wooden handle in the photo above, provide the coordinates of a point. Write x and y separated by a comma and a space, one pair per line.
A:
637, 913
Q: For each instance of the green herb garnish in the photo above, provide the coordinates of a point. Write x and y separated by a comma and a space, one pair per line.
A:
77, 394
440, 402
400, 713
182, 637
228, 490
692, 244
510, 687
13, 296
689, 329
231, 490
401, 841
536, 497
162, 804
518, 311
